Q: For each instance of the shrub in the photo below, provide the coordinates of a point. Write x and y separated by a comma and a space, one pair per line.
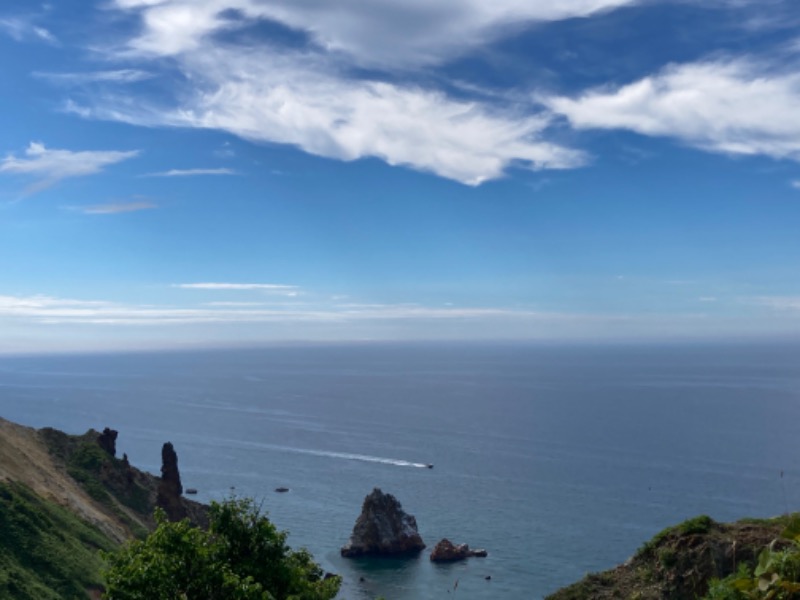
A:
242, 556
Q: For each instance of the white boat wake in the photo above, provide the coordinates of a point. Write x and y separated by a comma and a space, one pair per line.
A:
341, 455
362, 457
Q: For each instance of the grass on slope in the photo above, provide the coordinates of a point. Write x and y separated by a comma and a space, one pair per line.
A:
45, 551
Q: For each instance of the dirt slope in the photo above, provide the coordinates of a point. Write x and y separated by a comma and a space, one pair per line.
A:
24, 458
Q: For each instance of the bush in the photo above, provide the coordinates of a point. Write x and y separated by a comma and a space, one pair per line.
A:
242, 556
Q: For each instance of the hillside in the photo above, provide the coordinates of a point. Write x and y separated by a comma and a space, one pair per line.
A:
679, 562
63, 498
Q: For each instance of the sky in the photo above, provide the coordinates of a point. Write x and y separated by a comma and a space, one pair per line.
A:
199, 173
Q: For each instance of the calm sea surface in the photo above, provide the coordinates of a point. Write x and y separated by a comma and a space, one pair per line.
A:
558, 460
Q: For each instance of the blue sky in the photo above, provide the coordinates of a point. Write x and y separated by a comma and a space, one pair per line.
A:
181, 173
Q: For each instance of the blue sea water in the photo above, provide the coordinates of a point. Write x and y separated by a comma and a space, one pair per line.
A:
558, 460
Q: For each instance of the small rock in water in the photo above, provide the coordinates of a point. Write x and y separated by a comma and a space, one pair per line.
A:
282, 489
488, 578
191, 490
446, 551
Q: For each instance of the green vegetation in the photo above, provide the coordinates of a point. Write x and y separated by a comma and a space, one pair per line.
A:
775, 577
695, 525
242, 556
46, 552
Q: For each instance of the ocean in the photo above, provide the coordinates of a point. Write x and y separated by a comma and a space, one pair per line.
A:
559, 460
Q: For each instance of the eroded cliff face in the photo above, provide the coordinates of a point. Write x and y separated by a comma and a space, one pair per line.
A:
25, 458
383, 529
680, 561
81, 473
63, 497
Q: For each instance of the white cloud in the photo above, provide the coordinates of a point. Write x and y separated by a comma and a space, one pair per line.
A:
54, 165
115, 76
192, 172
373, 32
735, 106
265, 98
311, 100
795, 184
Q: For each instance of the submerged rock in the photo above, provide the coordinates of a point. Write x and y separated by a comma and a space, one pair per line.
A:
446, 551
383, 529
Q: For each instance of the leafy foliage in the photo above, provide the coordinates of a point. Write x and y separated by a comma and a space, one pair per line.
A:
775, 577
242, 556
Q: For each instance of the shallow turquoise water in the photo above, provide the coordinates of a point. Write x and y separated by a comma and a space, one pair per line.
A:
558, 460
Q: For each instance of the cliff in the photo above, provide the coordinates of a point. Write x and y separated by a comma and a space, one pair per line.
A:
63, 498
681, 561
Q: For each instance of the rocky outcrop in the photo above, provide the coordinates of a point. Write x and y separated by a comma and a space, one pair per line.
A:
680, 561
383, 529
446, 551
170, 488
108, 441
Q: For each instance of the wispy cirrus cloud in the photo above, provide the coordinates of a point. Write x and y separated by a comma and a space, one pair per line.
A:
256, 98
113, 208
24, 29
50, 317
53, 165
737, 106
81, 78
54, 310
192, 172
270, 288
795, 184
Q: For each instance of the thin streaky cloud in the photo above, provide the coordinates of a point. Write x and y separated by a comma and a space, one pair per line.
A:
236, 304
52, 165
276, 287
193, 172
114, 208
53, 310
795, 184
21, 30
787, 303
114, 76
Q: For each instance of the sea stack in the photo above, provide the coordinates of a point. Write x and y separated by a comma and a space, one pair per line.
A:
170, 488
383, 529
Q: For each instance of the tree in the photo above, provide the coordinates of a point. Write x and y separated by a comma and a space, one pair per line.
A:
241, 556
